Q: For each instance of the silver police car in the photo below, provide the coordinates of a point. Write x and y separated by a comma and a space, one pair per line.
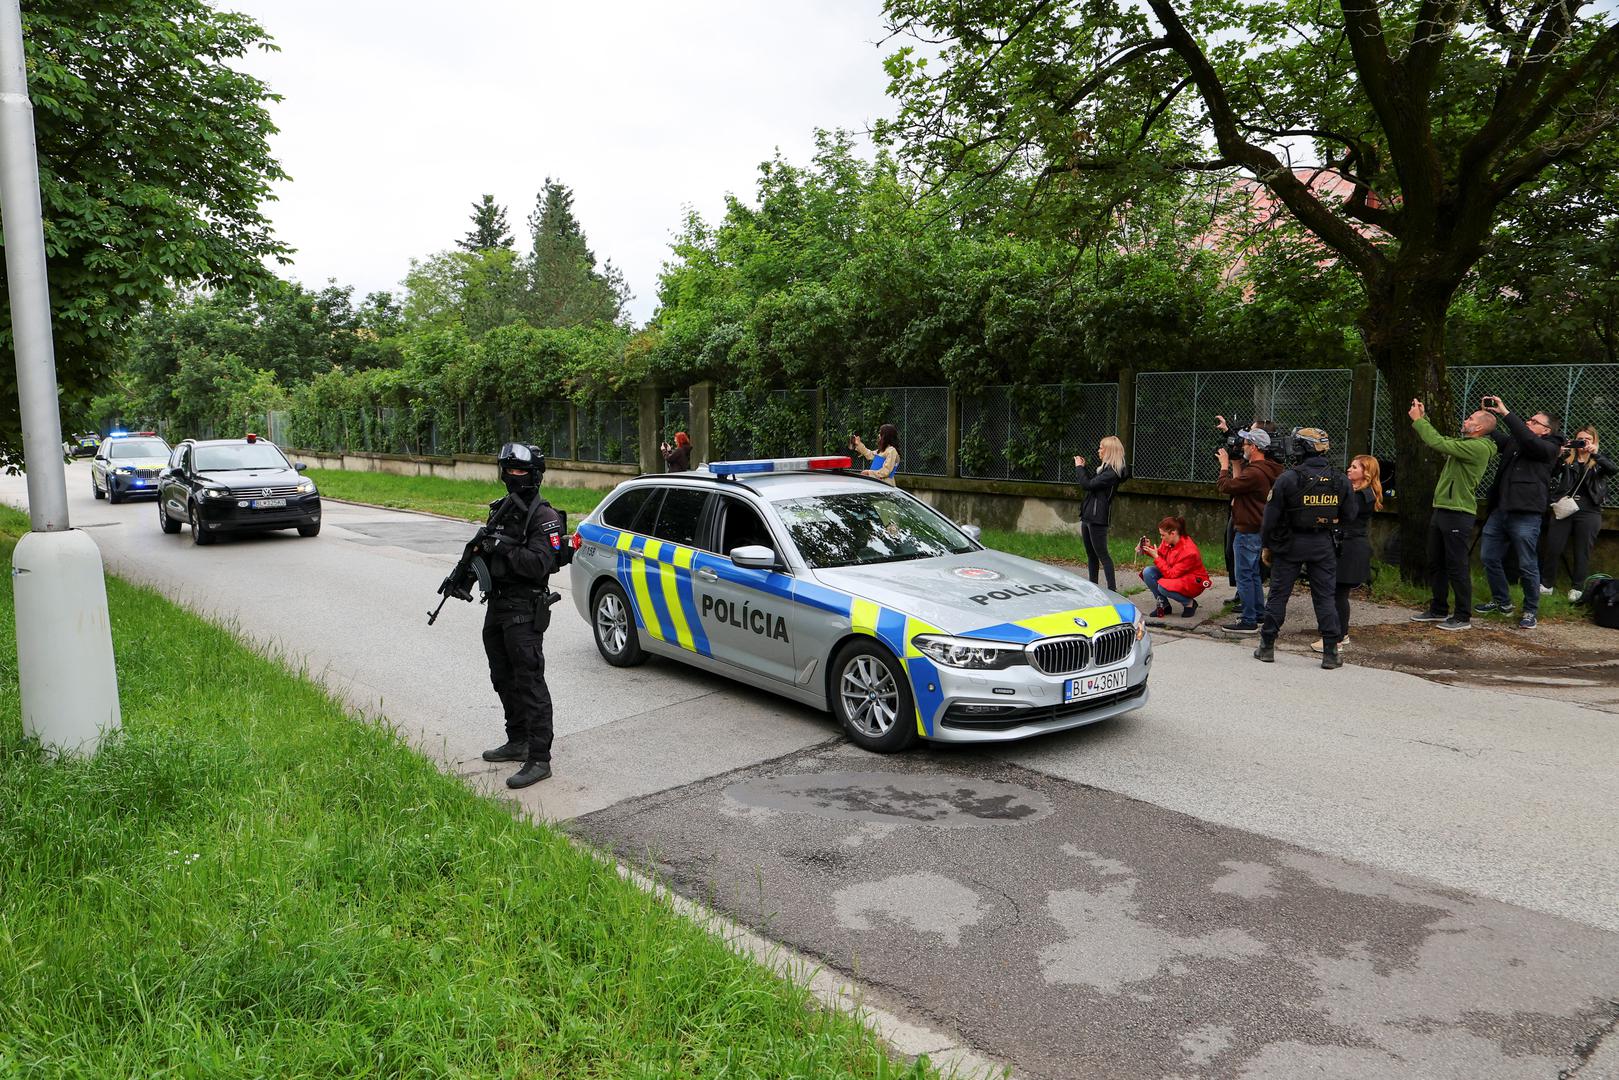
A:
846, 594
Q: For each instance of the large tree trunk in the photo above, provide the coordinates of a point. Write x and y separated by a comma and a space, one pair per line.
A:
1404, 327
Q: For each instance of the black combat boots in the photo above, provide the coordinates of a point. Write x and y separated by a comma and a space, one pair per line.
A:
532, 772
1266, 650
1329, 656
510, 751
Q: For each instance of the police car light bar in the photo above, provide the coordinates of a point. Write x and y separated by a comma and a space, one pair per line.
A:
770, 465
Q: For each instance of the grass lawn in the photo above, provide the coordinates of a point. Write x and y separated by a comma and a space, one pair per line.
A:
248, 882
467, 499
1387, 588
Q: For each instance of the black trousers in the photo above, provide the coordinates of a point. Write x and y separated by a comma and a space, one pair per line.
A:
1576, 534
1314, 555
1450, 539
1340, 601
516, 653
1095, 537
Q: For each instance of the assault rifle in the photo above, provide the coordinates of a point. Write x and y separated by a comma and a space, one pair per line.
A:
472, 568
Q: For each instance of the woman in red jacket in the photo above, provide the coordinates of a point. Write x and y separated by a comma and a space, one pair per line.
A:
1176, 574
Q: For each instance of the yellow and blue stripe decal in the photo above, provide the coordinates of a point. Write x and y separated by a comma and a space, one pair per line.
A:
1056, 624
656, 576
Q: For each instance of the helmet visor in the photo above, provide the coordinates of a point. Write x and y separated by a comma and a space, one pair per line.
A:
515, 454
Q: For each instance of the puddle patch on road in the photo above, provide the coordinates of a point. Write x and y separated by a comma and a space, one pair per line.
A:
946, 802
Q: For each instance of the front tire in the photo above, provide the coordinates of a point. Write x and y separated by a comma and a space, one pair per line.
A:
164, 521
871, 697
309, 530
198, 537
613, 623
94, 489
114, 496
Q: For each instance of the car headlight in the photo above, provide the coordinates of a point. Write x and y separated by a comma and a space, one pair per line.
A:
1140, 625
306, 487
968, 652
126, 469
212, 493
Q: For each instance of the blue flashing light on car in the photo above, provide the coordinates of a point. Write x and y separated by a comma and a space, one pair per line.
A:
771, 465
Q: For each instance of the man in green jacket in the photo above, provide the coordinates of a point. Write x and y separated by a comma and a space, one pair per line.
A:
1450, 530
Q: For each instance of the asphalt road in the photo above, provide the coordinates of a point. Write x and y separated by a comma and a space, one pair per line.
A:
1268, 872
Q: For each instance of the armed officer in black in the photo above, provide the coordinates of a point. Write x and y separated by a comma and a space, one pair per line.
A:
523, 550
1308, 503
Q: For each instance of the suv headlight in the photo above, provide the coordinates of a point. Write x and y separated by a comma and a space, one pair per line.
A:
306, 487
968, 652
212, 493
125, 469
1140, 625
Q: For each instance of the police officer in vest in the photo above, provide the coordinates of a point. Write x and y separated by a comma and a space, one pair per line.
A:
525, 548
1308, 503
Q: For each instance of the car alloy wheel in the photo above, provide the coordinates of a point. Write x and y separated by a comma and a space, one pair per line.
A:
164, 521
614, 627
871, 698
198, 537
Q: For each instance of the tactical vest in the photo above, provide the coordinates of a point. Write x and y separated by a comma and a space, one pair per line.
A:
1313, 504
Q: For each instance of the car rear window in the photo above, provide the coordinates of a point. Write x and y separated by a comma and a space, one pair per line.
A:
678, 516
860, 528
629, 506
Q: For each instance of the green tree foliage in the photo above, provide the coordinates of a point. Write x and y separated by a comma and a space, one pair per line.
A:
154, 163
1435, 116
489, 228
564, 286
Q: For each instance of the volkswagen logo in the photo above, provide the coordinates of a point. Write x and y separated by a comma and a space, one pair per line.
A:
264, 493
1081, 623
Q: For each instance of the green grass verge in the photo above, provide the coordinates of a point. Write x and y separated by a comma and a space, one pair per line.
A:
247, 881
1067, 547
1389, 588
467, 499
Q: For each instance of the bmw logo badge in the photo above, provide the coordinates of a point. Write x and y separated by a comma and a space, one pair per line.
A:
1081, 623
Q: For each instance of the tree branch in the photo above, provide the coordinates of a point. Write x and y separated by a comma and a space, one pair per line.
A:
1436, 21
1312, 213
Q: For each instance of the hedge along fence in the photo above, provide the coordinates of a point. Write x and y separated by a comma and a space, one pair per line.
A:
921, 413
1033, 432
437, 430
776, 423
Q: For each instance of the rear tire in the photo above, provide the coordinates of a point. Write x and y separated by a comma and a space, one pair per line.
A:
198, 537
613, 624
94, 490
164, 521
870, 696
309, 530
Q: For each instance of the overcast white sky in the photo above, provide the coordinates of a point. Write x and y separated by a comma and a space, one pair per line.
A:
399, 115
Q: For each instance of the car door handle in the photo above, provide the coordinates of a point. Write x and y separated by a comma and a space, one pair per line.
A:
707, 575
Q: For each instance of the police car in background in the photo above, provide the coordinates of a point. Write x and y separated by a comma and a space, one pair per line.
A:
126, 464
841, 592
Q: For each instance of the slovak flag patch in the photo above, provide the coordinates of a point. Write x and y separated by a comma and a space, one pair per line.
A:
556, 541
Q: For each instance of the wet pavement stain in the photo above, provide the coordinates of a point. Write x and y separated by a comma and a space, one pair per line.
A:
947, 802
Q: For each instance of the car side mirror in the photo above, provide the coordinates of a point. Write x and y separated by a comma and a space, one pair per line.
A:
974, 533
300, 465
755, 557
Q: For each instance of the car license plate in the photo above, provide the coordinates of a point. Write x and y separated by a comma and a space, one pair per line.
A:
268, 504
1091, 685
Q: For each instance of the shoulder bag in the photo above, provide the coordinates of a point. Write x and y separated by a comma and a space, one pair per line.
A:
1568, 505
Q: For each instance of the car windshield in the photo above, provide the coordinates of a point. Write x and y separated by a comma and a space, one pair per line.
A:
137, 448
238, 456
863, 527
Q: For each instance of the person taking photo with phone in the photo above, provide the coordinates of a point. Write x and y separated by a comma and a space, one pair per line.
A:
1455, 509
1095, 514
1582, 487
1517, 505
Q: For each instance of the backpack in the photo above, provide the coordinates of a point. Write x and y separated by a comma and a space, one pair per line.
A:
1602, 594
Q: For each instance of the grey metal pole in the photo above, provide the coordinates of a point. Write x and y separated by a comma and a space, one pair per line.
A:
25, 275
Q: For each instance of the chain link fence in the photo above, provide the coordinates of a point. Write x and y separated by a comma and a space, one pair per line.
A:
676, 417
610, 432
776, 423
1175, 410
1033, 432
1578, 393
921, 413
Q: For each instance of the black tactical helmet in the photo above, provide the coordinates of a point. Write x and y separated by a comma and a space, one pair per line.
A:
515, 456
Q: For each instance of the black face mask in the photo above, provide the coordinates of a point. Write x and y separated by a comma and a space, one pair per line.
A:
518, 484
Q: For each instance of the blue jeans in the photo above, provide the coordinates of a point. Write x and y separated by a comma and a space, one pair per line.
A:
1522, 532
1151, 576
1245, 550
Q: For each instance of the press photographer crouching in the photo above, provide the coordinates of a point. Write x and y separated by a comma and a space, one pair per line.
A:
1580, 487
1177, 574
1308, 505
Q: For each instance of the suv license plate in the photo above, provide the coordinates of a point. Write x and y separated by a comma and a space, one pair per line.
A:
1091, 685
268, 504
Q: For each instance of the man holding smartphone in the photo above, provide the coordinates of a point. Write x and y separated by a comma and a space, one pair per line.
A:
1455, 508
1517, 506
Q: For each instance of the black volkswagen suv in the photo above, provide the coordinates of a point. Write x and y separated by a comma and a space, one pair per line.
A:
235, 485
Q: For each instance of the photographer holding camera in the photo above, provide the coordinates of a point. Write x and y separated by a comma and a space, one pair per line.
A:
1517, 505
1581, 483
1247, 480
677, 458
